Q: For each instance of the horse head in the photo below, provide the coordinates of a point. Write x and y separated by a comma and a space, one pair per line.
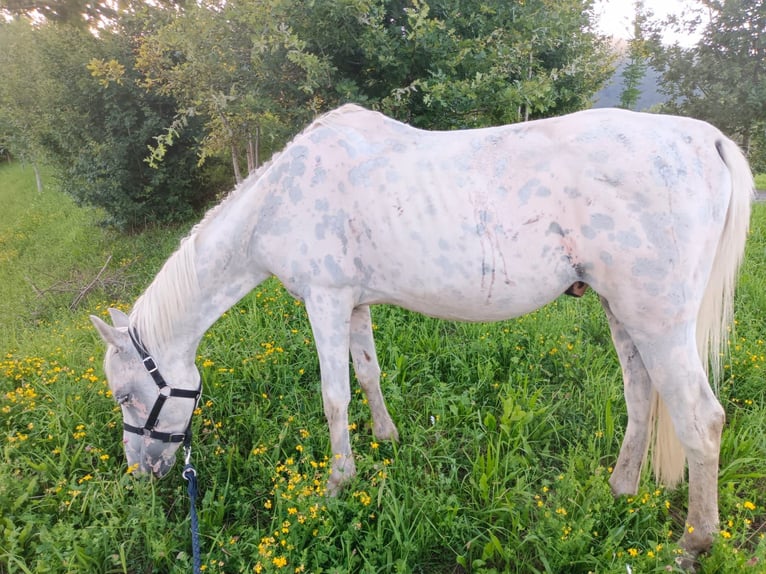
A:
156, 411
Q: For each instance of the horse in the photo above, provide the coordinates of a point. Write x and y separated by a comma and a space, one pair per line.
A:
649, 211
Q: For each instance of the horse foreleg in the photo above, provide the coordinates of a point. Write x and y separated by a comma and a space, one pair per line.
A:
638, 399
329, 313
368, 373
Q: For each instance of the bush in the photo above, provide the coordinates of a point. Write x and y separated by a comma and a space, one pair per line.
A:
92, 121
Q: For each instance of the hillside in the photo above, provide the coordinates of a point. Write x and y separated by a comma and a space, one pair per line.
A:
609, 96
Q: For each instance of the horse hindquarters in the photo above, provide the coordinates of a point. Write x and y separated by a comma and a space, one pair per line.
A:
674, 356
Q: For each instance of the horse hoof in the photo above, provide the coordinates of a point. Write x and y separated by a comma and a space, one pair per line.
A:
687, 562
386, 432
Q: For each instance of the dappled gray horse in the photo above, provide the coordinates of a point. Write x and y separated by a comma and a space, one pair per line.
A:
476, 225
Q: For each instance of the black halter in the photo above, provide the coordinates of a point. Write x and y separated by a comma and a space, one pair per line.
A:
164, 392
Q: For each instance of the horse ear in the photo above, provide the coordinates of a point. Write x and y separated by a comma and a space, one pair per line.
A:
110, 335
119, 319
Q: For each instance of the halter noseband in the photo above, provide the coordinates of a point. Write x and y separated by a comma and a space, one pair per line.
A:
164, 392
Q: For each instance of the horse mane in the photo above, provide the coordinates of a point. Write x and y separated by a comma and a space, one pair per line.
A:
174, 288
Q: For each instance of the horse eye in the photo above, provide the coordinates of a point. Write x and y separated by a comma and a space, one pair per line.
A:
122, 399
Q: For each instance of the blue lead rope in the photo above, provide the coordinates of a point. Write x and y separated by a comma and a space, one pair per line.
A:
190, 475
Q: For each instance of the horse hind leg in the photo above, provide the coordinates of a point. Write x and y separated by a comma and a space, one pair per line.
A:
638, 399
367, 371
675, 369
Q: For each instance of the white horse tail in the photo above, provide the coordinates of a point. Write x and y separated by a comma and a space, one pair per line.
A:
716, 312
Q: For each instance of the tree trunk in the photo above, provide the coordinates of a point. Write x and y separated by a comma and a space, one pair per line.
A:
235, 163
38, 178
746, 142
234, 152
250, 154
257, 146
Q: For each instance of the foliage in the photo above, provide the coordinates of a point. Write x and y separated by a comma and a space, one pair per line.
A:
127, 115
508, 433
75, 104
636, 66
273, 65
723, 78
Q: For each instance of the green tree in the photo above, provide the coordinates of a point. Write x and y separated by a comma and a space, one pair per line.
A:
721, 79
269, 66
242, 69
465, 63
24, 117
636, 66
75, 104
155, 86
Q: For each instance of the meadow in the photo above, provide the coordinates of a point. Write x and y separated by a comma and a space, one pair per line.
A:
508, 431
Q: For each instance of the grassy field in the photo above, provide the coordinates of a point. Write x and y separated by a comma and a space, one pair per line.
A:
508, 431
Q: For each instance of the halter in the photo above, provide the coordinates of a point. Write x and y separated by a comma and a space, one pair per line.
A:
164, 392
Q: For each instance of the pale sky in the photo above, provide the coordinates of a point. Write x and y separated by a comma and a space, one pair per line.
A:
616, 17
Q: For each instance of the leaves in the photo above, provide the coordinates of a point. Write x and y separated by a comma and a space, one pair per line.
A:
722, 79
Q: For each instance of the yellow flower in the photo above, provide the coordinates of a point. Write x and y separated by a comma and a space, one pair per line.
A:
279, 561
633, 552
749, 505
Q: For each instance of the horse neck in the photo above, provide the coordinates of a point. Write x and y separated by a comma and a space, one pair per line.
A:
197, 284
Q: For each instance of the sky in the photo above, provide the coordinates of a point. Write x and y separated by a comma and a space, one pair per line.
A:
616, 17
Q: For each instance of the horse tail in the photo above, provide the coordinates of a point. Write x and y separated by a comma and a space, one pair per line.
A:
716, 311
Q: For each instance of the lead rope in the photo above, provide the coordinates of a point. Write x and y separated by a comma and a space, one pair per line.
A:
190, 476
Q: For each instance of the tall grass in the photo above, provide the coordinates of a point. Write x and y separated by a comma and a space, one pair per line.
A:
508, 431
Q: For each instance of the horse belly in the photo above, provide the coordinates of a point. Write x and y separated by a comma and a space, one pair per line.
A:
485, 275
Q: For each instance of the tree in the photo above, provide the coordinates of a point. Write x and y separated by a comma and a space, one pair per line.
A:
151, 84
467, 63
242, 69
74, 103
268, 67
635, 69
23, 85
722, 79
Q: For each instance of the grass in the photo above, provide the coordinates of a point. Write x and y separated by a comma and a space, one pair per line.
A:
760, 181
508, 431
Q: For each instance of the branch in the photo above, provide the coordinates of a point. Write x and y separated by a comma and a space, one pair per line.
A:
89, 286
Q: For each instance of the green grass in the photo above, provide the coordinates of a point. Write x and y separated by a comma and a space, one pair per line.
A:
760, 181
53, 253
508, 431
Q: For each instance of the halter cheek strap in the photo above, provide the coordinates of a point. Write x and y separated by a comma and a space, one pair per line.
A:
164, 392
